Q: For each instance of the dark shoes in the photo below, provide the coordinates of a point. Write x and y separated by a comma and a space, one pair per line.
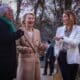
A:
50, 74
44, 73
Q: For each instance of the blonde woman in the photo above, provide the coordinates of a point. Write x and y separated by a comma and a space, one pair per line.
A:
28, 63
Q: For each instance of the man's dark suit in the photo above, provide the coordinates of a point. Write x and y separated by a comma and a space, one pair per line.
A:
49, 60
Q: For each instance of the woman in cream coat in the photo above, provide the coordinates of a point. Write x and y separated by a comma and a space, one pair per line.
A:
66, 46
28, 61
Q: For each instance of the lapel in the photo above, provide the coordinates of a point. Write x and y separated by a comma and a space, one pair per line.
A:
36, 38
28, 38
34, 35
33, 40
73, 33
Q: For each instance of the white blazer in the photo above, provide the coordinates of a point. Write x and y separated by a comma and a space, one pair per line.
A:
73, 55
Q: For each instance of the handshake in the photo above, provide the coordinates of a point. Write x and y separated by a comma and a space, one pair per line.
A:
19, 33
57, 38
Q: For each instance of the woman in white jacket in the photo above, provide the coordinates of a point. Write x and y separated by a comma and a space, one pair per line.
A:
67, 40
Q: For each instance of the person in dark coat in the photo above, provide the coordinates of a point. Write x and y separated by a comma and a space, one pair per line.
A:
49, 58
8, 35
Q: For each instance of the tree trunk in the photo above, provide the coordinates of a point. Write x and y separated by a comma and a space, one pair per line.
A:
18, 11
68, 4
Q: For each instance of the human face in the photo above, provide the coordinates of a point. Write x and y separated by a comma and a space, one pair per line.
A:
9, 14
66, 19
30, 20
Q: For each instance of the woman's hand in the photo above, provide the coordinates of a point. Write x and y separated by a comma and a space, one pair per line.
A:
57, 38
29, 50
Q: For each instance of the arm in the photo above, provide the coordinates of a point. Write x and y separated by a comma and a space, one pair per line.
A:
58, 40
20, 47
74, 41
8, 37
58, 43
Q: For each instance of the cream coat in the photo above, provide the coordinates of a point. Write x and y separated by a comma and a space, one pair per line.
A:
28, 63
73, 55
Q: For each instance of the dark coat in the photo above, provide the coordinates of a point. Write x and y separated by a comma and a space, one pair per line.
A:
50, 53
8, 61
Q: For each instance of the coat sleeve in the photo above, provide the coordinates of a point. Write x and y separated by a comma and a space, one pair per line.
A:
38, 42
74, 41
8, 37
58, 44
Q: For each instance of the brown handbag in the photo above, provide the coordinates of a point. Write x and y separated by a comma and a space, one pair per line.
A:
57, 75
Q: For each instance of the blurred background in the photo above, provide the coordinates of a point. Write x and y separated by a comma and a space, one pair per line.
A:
48, 13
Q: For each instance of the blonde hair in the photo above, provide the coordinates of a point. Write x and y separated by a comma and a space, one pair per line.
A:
24, 17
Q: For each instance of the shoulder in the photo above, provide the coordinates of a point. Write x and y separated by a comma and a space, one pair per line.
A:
61, 28
2, 21
22, 28
78, 27
51, 46
37, 30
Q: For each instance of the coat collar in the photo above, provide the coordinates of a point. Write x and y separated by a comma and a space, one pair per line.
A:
73, 32
74, 27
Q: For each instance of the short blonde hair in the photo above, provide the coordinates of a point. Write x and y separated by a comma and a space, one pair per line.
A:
24, 17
